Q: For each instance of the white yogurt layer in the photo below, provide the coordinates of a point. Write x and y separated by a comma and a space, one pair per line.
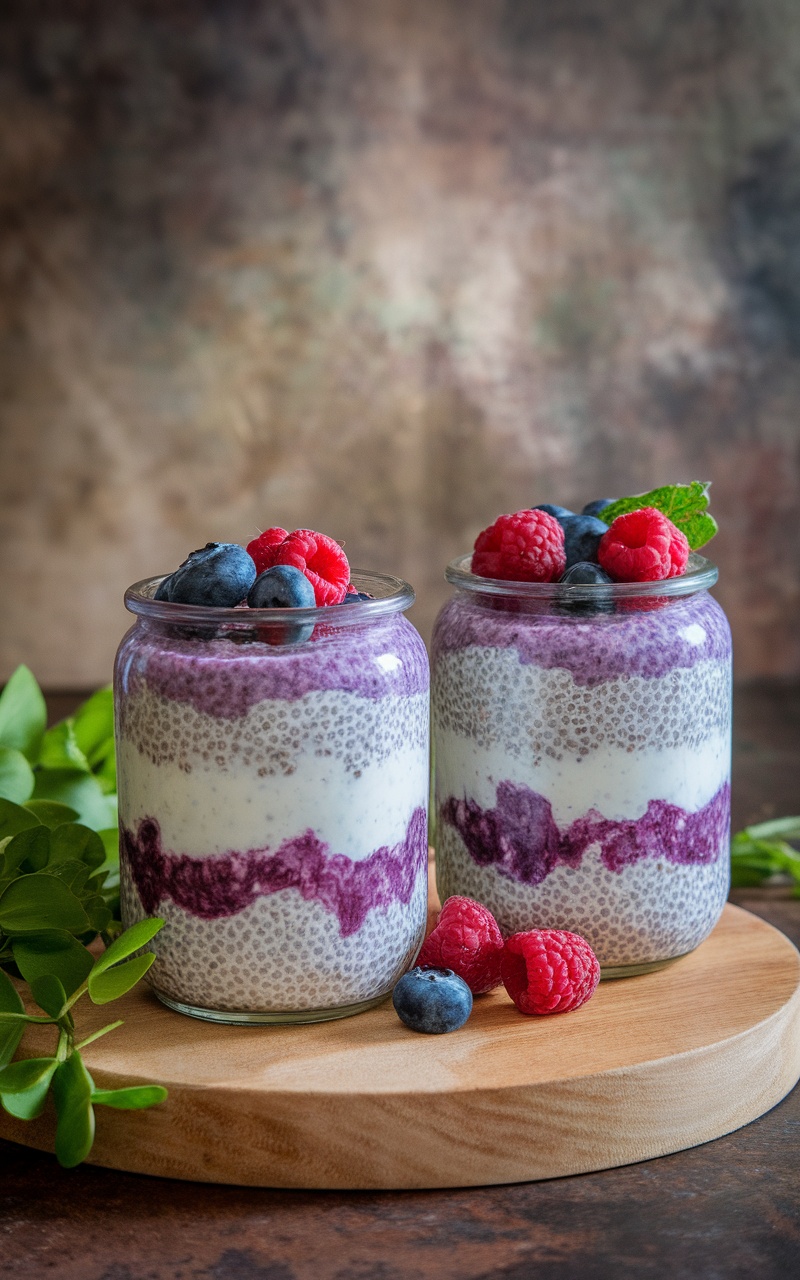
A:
238, 798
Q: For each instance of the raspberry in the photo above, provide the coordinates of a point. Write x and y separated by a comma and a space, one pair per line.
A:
468, 941
643, 546
549, 971
525, 547
261, 549
320, 559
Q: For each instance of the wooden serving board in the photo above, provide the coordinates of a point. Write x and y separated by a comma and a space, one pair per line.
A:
650, 1065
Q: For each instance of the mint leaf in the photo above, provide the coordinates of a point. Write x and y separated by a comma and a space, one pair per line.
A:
72, 1091
684, 504
117, 981
49, 813
23, 714
132, 1099
60, 749
41, 901
16, 776
56, 952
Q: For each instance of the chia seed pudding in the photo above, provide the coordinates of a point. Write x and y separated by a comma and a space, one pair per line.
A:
583, 759
273, 802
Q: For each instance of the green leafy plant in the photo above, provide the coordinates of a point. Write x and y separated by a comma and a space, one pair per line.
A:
686, 505
760, 852
59, 893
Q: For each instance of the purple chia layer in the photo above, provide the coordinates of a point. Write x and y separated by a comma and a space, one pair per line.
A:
681, 633
216, 887
521, 838
225, 679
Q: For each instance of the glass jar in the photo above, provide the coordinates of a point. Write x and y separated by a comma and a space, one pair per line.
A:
582, 740
273, 783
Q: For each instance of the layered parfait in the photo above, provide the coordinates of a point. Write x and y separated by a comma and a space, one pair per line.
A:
272, 713
581, 703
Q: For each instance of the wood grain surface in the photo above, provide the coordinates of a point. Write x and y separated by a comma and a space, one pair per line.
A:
651, 1065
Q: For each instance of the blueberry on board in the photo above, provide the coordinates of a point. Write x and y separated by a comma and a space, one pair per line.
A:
594, 508
432, 1000
281, 587
586, 574
582, 536
219, 575
558, 512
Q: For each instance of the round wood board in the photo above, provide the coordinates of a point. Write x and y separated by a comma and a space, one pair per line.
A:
650, 1065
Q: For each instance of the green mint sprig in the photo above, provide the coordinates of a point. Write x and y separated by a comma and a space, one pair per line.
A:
763, 850
59, 891
686, 505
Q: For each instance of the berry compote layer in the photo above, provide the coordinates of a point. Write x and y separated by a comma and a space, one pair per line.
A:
273, 802
583, 760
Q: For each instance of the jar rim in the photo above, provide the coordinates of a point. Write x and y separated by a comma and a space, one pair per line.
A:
390, 595
699, 576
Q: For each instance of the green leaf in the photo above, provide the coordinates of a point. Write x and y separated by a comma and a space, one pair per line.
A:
106, 769
133, 1099
23, 714
27, 1105
782, 828
40, 901
49, 813
684, 504
53, 952
14, 818
110, 839
133, 939
113, 983
23, 1075
98, 912
16, 775
10, 1033
60, 749
75, 841
72, 873
81, 792
49, 994
31, 846
72, 1091
94, 724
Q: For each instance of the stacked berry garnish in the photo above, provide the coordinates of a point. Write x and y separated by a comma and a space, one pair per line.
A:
543, 970
278, 570
610, 540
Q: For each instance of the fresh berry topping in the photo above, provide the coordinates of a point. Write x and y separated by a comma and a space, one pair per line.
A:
353, 597
281, 587
321, 560
585, 574
558, 512
597, 507
261, 548
219, 575
432, 1000
582, 536
467, 940
643, 546
525, 547
549, 971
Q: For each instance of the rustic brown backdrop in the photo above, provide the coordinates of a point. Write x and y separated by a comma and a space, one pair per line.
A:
389, 267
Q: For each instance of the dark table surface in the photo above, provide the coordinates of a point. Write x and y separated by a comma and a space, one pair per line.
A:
729, 1210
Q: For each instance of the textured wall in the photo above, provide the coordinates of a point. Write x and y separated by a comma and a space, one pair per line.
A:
387, 268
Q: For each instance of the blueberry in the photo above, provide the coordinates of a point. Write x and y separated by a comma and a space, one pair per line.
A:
220, 575
432, 1000
594, 508
586, 574
558, 512
582, 536
352, 597
281, 587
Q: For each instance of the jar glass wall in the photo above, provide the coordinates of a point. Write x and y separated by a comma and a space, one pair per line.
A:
273, 779
582, 746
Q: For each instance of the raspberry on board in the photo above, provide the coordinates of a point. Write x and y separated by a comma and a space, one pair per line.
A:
549, 971
643, 546
466, 939
527, 546
261, 549
322, 561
